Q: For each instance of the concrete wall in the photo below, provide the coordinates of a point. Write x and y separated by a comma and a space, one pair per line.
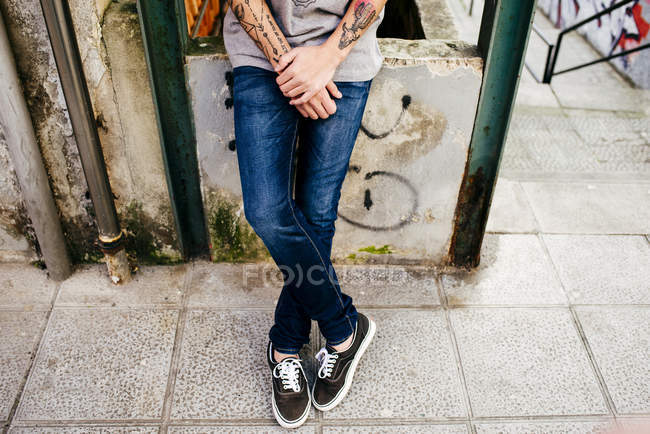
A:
623, 29
14, 226
409, 157
110, 44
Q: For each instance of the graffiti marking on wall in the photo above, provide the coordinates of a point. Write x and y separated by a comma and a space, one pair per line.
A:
396, 182
622, 29
406, 102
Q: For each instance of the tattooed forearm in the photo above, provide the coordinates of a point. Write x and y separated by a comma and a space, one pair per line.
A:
256, 19
351, 30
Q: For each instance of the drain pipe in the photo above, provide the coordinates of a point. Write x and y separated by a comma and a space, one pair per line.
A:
68, 61
16, 125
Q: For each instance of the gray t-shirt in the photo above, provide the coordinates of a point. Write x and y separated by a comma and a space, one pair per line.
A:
307, 22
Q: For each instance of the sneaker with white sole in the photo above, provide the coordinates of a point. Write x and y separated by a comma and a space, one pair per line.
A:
290, 399
337, 368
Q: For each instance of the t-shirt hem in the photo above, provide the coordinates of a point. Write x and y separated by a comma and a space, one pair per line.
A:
244, 60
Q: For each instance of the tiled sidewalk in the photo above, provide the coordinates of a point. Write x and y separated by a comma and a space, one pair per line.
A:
550, 334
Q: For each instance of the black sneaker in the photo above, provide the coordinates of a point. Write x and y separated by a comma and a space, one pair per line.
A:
337, 369
290, 397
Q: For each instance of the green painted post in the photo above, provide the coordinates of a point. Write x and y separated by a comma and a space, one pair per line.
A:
164, 52
503, 39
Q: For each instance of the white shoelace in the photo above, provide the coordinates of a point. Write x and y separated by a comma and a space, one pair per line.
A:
289, 371
327, 361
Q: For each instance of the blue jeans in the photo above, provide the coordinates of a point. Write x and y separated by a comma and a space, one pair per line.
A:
297, 231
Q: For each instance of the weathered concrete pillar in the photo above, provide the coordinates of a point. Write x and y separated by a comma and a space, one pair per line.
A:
30, 171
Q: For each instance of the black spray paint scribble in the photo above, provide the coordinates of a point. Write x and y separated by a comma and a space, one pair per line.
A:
406, 102
367, 199
232, 145
368, 203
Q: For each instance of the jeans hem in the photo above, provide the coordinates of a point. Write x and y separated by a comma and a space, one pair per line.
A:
337, 340
291, 351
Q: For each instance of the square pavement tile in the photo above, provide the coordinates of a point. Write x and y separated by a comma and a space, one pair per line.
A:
619, 338
514, 269
85, 430
26, 287
234, 285
101, 364
590, 208
19, 333
602, 269
510, 210
389, 285
408, 371
525, 362
223, 373
401, 429
544, 427
238, 429
150, 286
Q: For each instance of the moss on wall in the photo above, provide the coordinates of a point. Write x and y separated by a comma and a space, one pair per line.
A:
231, 237
145, 241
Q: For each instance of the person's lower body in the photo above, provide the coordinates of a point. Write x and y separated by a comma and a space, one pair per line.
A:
297, 232
282, 154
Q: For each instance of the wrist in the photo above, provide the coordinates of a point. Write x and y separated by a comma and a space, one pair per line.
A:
334, 52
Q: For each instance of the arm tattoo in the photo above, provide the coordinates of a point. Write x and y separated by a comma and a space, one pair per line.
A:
256, 25
364, 14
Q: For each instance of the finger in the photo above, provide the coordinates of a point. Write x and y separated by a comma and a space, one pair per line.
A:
286, 75
304, 98
302, 111
290, 85
333, 90
295, 92
328, 103
318, 108
310, 111
286, 59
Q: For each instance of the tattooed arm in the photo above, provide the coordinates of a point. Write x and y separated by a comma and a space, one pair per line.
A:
256, 19
305, 70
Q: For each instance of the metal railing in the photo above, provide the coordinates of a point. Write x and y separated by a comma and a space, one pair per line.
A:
554, 48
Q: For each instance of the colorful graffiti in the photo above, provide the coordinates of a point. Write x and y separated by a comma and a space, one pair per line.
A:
623, 29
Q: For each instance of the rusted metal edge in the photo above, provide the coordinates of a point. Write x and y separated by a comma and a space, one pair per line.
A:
508, 24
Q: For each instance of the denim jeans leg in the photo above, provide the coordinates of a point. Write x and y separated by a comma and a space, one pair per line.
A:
325, 147
266, 129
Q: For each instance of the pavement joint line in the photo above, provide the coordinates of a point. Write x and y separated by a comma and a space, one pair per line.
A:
544, 306
611, 407
576, 177
176, 351
578, 327
522, 191
454, 344
395, 421
554, 267
546, 418
230, 422
121, 307
84, 422
594, 234
428, 307
36, 350
24, 308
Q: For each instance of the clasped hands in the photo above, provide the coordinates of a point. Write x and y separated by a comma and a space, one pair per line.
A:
305, 76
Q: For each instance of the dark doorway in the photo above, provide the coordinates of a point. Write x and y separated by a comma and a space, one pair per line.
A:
401, 20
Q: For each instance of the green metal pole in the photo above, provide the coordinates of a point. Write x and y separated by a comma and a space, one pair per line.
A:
503, 39
164, 51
